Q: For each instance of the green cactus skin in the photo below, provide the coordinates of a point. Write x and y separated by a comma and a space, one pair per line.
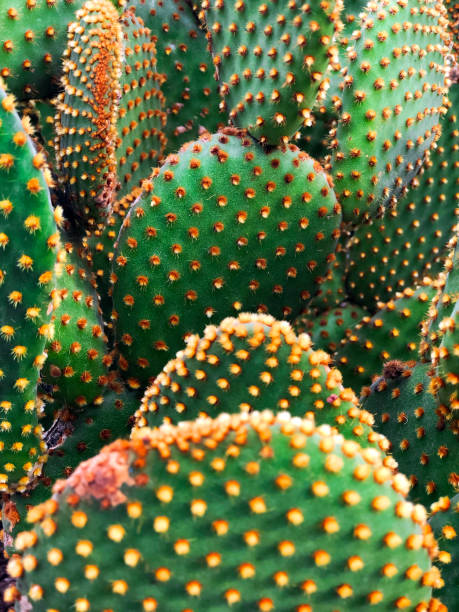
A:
186, 67
350, 20
85, 434
423, 436
141, 118
245, 512
443, 302
445, 525
396, 252
218, 234
254, 363
271, 61
78, 360
327, 329
32, 41
109, 118
28, 241
446, 361
392, 104
97, 252
332, 287
440, 332
391, 333
85, 123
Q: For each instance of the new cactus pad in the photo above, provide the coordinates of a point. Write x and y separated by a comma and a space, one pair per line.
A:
254, 363
270, 60
391, 105
216, 234
28, 243
244, 512
423, 437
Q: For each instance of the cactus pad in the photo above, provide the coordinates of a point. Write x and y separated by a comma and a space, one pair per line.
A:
268, 97
423, 437
28, 244
392, 105
254, 363
245, 512
215, 235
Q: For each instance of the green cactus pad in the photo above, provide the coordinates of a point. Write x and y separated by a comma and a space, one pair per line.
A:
440, 343
109, 118
245, 512
77, 364
28, 244
219, 234
445, 525
141, 115
32, 40
443, 302
186, 68
271, 59
395, 252
254, 363
332, 287
423, 437
329, 327
392, 104
87, 110
351, 20
391, 333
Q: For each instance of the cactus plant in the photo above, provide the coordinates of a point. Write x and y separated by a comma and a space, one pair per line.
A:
29, 241
253, 487
391, 333
395, 78
163, 240
213, 232
254, 363
423, 438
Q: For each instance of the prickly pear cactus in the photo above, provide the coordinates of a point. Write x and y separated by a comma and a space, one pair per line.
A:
227, 168
28, 242
32, 41
78, 359
410, 241
391, 105
288, 516
392, 333
423, 437
214, 234
186, 69
254, 363
268, 97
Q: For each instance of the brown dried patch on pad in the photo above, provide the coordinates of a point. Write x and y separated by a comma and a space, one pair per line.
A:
102, 476
393, 369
